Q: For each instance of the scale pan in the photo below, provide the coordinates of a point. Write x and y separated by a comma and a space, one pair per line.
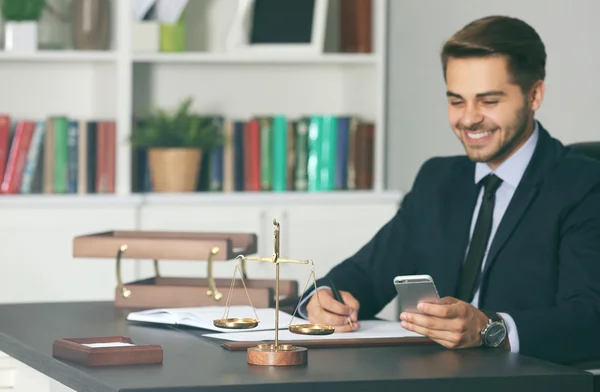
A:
311, 329
236, 323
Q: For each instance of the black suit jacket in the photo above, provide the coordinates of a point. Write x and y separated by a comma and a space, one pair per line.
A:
543, 266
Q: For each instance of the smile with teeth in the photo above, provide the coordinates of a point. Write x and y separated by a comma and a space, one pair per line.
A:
479, 135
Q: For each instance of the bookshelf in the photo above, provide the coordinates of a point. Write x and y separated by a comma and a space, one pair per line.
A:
119, 83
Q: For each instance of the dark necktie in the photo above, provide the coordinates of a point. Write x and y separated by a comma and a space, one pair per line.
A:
481, 235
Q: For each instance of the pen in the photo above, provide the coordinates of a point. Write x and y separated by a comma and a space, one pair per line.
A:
338, 297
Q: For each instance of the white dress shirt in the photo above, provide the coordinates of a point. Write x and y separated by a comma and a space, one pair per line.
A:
510, 172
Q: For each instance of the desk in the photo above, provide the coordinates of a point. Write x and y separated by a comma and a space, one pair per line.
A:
192, 363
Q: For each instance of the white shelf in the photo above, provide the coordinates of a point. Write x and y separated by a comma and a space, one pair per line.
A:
243, 59
67, 201
273, 198
69, 56
200, 198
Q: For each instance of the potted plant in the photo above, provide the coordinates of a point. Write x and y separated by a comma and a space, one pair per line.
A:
21, 24
175, 143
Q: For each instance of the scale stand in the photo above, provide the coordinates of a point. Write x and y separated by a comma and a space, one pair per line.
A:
275, 354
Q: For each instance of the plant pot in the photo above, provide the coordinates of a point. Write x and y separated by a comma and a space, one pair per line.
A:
21, 36
172, 37
174, 169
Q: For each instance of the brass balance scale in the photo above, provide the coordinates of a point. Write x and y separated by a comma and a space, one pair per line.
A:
274, 354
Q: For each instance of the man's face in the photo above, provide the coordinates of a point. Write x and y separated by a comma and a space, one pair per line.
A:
490, 115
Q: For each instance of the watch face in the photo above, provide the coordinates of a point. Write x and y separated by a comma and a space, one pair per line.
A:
495, 334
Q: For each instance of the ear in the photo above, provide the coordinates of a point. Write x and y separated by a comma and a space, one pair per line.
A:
536, 95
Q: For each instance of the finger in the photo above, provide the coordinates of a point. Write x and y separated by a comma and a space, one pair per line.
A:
347, 327
448, 300
426, 321
350, 300
446, 338
352, 303
325, 317
331, 304
439, 310
318, 299
319, 312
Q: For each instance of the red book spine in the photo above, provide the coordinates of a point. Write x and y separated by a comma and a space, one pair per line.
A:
101, 157
18, 155
110, 155
4, 143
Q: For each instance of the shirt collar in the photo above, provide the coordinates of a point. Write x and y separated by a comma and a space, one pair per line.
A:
511, 170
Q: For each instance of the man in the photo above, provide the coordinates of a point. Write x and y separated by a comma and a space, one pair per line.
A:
510, 233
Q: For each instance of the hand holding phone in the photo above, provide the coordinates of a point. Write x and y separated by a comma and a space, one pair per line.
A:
413, 289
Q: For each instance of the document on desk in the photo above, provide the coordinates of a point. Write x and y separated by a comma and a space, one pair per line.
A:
369, 329
203, 317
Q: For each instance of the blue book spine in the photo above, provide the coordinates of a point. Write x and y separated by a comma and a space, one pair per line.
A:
238, 149
216, 169
341, 164
73, 162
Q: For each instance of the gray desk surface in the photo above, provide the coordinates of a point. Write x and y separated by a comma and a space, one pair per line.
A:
192, 363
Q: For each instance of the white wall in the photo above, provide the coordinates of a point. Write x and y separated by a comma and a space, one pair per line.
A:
417, 123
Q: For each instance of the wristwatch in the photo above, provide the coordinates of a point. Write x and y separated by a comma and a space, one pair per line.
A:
494, 332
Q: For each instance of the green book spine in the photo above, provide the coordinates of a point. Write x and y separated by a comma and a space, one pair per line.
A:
314, 153
279, 153
266, 158
328, 153
61, 154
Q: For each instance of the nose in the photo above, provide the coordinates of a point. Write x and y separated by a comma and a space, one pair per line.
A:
471, 116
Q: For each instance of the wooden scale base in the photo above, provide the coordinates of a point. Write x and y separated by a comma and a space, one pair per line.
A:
277, 355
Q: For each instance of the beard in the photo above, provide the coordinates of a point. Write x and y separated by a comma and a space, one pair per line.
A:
513, 133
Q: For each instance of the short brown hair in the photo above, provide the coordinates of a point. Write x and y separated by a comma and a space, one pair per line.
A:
501, 35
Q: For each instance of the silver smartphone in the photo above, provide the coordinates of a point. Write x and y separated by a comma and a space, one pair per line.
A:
413, 289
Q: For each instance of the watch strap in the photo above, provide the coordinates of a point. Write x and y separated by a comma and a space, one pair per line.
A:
493, 316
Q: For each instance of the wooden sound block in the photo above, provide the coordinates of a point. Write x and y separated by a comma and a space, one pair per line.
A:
280, 355
106, 351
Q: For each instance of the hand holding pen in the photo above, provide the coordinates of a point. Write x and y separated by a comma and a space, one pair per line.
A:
338, 297
340, 309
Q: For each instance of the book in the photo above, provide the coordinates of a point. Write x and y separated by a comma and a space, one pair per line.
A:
203, 317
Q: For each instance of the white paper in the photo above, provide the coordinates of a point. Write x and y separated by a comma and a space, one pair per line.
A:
139, 8
369, 329
109, 344
203, 317
169, 11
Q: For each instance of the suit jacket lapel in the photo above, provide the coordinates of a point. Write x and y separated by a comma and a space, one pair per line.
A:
517, 207
524, 194
459, 195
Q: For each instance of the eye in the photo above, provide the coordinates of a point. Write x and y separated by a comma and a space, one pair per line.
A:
490, 102
456, 103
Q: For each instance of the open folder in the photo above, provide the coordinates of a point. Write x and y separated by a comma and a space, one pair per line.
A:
371, 333
203, 317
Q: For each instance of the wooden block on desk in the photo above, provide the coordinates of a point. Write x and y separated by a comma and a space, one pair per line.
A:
106, 351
